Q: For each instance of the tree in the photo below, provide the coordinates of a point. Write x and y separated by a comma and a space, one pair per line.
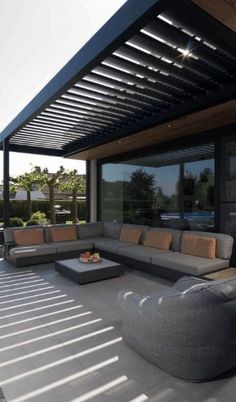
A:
28, 182
74, 183
142, 188
141, 194
52, 181
205, 189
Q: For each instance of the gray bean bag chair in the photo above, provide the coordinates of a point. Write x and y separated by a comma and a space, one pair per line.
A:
188, 330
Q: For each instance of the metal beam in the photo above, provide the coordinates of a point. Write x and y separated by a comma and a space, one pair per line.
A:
35, 150
6, 188
132, 16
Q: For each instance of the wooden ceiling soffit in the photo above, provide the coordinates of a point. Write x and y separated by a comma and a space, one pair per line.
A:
222, 10
214, 117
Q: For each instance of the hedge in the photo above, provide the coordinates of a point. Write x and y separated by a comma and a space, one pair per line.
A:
19, 208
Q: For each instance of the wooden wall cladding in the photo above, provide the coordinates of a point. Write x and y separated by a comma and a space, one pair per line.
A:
222, 10
214, 117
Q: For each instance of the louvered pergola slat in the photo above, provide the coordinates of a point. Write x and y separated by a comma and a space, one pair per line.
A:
153, 61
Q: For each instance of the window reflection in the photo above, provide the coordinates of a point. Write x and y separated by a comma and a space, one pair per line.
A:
198, 194
230, 171
228, 182
175, 188
228, 217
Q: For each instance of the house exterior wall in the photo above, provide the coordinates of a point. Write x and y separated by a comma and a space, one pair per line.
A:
221, 207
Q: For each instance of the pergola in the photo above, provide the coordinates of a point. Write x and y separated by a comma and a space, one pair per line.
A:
152, 62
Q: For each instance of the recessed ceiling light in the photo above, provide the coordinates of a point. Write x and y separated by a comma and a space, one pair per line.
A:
186, 52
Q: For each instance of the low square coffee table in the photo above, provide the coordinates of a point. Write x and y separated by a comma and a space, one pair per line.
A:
82, 273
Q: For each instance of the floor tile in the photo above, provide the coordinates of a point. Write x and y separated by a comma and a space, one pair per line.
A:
57, 352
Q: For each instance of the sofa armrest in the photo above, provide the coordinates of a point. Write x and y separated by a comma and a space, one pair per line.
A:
187, 282
131, 300
133, 319
144, 318
128, 299
6, 247
139, 312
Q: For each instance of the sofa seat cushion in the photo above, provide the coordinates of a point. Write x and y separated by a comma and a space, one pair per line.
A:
95, 239
188, 264
140, 253
73, 245
111, 245
34, 250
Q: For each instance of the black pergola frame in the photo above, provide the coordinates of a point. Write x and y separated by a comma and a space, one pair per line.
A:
210, 72
123, 26
126, 21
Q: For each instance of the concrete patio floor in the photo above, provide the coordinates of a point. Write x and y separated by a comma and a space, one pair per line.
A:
61, 342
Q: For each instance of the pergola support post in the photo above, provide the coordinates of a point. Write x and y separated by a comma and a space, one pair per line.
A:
93, 190
6, 187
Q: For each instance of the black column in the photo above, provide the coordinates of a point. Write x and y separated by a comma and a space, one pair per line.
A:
220, 178
181, 190
87, 191
6, 192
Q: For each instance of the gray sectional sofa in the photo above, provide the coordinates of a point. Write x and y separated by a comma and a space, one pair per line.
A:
105, 237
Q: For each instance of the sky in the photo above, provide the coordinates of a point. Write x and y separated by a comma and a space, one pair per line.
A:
37, 38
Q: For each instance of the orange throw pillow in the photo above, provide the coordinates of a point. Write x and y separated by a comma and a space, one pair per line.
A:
63, 233
29, 237
158, 239
130, 235
199, 246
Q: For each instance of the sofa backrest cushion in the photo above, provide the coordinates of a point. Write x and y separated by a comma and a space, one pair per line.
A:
224, 242
143, 228
9, 232
63, 233
48, 228
9, 235
224, 289
90, 230
199, 246
176, 236
158, 239
130, 235
111, 229
29, 237
186, 282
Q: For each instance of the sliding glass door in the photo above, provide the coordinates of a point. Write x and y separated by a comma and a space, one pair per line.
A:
155, 189
228, 186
